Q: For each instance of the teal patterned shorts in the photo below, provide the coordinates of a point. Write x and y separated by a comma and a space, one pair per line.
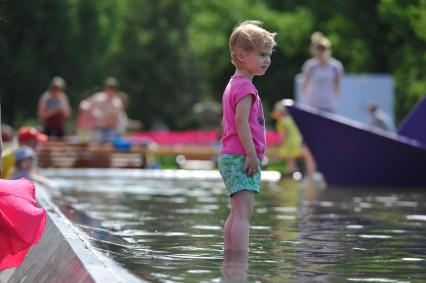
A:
230, 168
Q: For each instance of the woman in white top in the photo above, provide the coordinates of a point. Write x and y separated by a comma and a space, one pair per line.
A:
322, 75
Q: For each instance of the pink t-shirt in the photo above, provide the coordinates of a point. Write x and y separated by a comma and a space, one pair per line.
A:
238, 88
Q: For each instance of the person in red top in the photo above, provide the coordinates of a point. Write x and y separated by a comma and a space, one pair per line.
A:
54, 108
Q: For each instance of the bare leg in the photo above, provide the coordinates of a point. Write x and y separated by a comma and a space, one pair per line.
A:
227, 232
309, 162
235, 266
242, 208
291, 165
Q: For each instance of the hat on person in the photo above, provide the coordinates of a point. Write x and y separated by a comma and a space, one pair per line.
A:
279, 107
30, 133
112, 82
24, 152
58, 82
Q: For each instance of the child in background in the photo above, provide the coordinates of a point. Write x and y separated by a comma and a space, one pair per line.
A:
24, 163
27, 136
25, 166
292, 146
243, 141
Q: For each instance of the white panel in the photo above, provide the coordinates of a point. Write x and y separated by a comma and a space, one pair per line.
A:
357, 92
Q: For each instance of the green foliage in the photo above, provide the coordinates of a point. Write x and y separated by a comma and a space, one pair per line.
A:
170, 54
407, 21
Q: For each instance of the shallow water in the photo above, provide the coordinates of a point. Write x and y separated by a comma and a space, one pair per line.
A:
170, 230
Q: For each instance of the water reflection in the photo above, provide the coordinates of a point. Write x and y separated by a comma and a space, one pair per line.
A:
171, 230
235, 266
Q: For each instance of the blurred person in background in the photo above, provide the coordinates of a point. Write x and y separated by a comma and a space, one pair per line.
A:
6, 132
54, 108
26, 167
322, 75
159, 125
27, 136
292, 146
104, 108
379, 118
25, 159
124, 122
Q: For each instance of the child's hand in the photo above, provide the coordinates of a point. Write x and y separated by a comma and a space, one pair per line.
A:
251, 166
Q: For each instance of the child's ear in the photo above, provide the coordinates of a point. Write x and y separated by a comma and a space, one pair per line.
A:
240, 55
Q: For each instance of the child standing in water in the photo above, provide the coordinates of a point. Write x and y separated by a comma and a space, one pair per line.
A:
243, 142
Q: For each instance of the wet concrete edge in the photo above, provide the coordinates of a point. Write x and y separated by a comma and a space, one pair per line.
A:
64, 254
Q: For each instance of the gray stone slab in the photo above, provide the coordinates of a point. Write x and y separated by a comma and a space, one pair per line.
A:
64, 254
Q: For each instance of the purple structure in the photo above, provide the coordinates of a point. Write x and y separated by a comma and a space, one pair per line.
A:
414, 125
349, 153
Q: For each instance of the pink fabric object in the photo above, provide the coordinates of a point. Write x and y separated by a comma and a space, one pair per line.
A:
238, 88
21, 222
192, 137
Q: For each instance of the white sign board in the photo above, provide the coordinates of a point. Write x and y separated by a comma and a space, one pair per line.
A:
356, 94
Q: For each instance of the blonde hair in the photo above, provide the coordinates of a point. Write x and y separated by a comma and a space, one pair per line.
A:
249, 35
319, 41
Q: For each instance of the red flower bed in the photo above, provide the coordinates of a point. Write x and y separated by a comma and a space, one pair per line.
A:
190, 137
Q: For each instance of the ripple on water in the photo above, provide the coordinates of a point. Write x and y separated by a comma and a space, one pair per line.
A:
412, 259
207, 227
416, 217
375, 236
167, 230
354, 226
384, 280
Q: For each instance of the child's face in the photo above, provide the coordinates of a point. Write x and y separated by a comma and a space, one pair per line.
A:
26, 164
256, 62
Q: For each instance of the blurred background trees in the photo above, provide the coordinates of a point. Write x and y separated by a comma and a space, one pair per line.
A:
170, 54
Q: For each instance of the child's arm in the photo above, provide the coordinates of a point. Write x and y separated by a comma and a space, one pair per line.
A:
42, 180
243, 129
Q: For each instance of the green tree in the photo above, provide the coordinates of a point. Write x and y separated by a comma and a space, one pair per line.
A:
154, 63
41, 39
407, 41
33, 46
170, 54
